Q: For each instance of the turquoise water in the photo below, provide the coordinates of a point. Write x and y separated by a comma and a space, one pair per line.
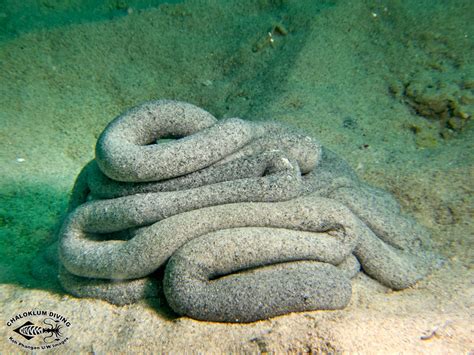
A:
18, 18
387, 85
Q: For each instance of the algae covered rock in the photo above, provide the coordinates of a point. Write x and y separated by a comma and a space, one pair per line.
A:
440, 98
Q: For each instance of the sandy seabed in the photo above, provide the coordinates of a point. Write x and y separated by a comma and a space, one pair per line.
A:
361, 76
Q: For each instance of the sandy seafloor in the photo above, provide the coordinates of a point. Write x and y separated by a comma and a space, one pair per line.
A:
358, 75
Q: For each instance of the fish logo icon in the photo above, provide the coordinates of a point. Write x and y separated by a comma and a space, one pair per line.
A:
39, 329
29, 330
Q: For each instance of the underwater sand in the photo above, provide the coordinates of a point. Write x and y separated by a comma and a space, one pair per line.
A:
342, 71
